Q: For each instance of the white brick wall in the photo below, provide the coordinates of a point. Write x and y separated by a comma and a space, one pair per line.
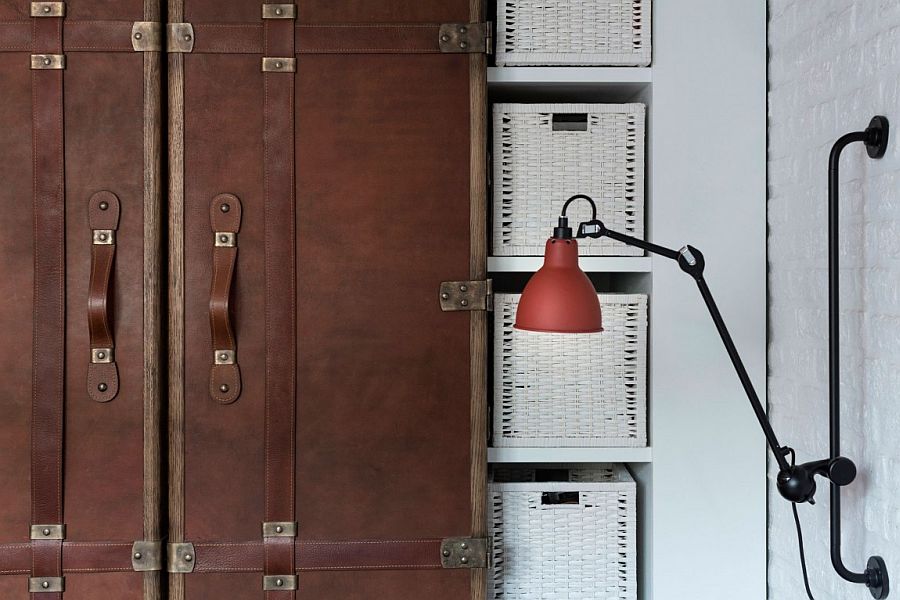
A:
833, 65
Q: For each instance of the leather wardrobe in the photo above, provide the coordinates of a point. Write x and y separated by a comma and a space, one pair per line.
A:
242, 249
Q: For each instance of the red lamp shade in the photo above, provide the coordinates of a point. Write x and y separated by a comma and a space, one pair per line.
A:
560, 298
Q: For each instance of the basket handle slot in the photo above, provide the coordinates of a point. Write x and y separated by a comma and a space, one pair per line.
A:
570, 122
557, 498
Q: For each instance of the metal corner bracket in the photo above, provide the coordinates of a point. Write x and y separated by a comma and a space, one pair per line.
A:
467, 295
146, 36
279, 583
466, 553
179, 38
46, 585
466, 38
146, 556
181, 558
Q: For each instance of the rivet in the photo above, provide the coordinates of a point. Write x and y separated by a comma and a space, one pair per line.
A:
445, 38
463, 45
463, 560
101, 355
279, 529
188, 558
46, 531
187, 37
463, 288
445, 296
47, 9
279, 12
138, 35
278, 64
224, 208
223, 238
223, 356
45, 584
138, 556
223, 388
463, 29
102, 237
47, 61
464, 302
104, 205
102, 387
446, 553
464, 546
279, 582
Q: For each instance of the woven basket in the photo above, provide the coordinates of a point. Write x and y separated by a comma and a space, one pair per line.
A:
545, 153
573, 32
569, 539
572, 390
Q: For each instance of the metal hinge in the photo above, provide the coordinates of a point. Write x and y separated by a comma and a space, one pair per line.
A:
179, 37
182, 558
476, 38
146, 556
466, 553
146, 36
467, 295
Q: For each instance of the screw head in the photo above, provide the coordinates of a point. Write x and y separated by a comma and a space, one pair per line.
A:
102, 387
46, 531
45, 584
138, 35
104, 205
138, 556
47, 61
224, 388
225, 208
188, 557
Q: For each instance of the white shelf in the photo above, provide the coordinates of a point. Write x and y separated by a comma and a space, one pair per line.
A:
569, 455
590, 264
568, 75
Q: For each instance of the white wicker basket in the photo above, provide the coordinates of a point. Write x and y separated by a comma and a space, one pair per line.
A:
573, 32
545, 153
581, 549
572, 390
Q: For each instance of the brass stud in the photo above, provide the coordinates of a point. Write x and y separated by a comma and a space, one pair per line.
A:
224, 208
104, 205
138, 35
46, 531
138, 556
45, 584
47, 61
224, 388
102, 387
279, 582
188, 557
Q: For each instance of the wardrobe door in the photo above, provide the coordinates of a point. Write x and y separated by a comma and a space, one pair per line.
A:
327, 392
79, 274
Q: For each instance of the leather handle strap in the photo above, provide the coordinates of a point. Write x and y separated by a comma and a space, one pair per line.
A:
225, 220
103, 375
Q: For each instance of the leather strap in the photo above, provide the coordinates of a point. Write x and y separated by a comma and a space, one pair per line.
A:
280, 320
322, 556
225, 376
387, 38
81, 36
49, 301
77, 557
102, 374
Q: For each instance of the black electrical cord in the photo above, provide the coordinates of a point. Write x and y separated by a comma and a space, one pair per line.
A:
800, 537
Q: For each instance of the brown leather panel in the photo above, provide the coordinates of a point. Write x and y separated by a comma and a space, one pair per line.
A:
369, 585
383, 193
104, 442
329, 11
100, 586
77, 10
224, 445
81, 36
16, 312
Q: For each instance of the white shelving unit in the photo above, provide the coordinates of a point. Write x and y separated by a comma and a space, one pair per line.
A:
702, 487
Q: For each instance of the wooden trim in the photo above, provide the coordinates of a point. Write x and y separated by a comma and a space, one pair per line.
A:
152, 306
478, 271
176, 298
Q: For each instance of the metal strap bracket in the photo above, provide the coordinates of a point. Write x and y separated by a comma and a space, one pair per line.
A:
48, 532
466, 553
467, 295
104, 237
182, 558
475, 38
102, 355
146, 556
48, 9
279, 529
41, 585
279, 11
48, 61
146, 36
179, 37
279, 582
279, 65
225, 239
223, 357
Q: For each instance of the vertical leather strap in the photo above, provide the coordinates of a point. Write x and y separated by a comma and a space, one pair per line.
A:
49, 301
280, 265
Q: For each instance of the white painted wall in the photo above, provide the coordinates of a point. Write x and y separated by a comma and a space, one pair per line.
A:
833, 65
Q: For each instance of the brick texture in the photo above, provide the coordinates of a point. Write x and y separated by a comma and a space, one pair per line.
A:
833, 64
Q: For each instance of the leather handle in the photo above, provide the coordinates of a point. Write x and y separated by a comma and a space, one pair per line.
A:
225, 376
103, 218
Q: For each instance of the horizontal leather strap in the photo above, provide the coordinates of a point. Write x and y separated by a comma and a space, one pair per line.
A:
243, 557
247, 38
80, 36
77, 557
